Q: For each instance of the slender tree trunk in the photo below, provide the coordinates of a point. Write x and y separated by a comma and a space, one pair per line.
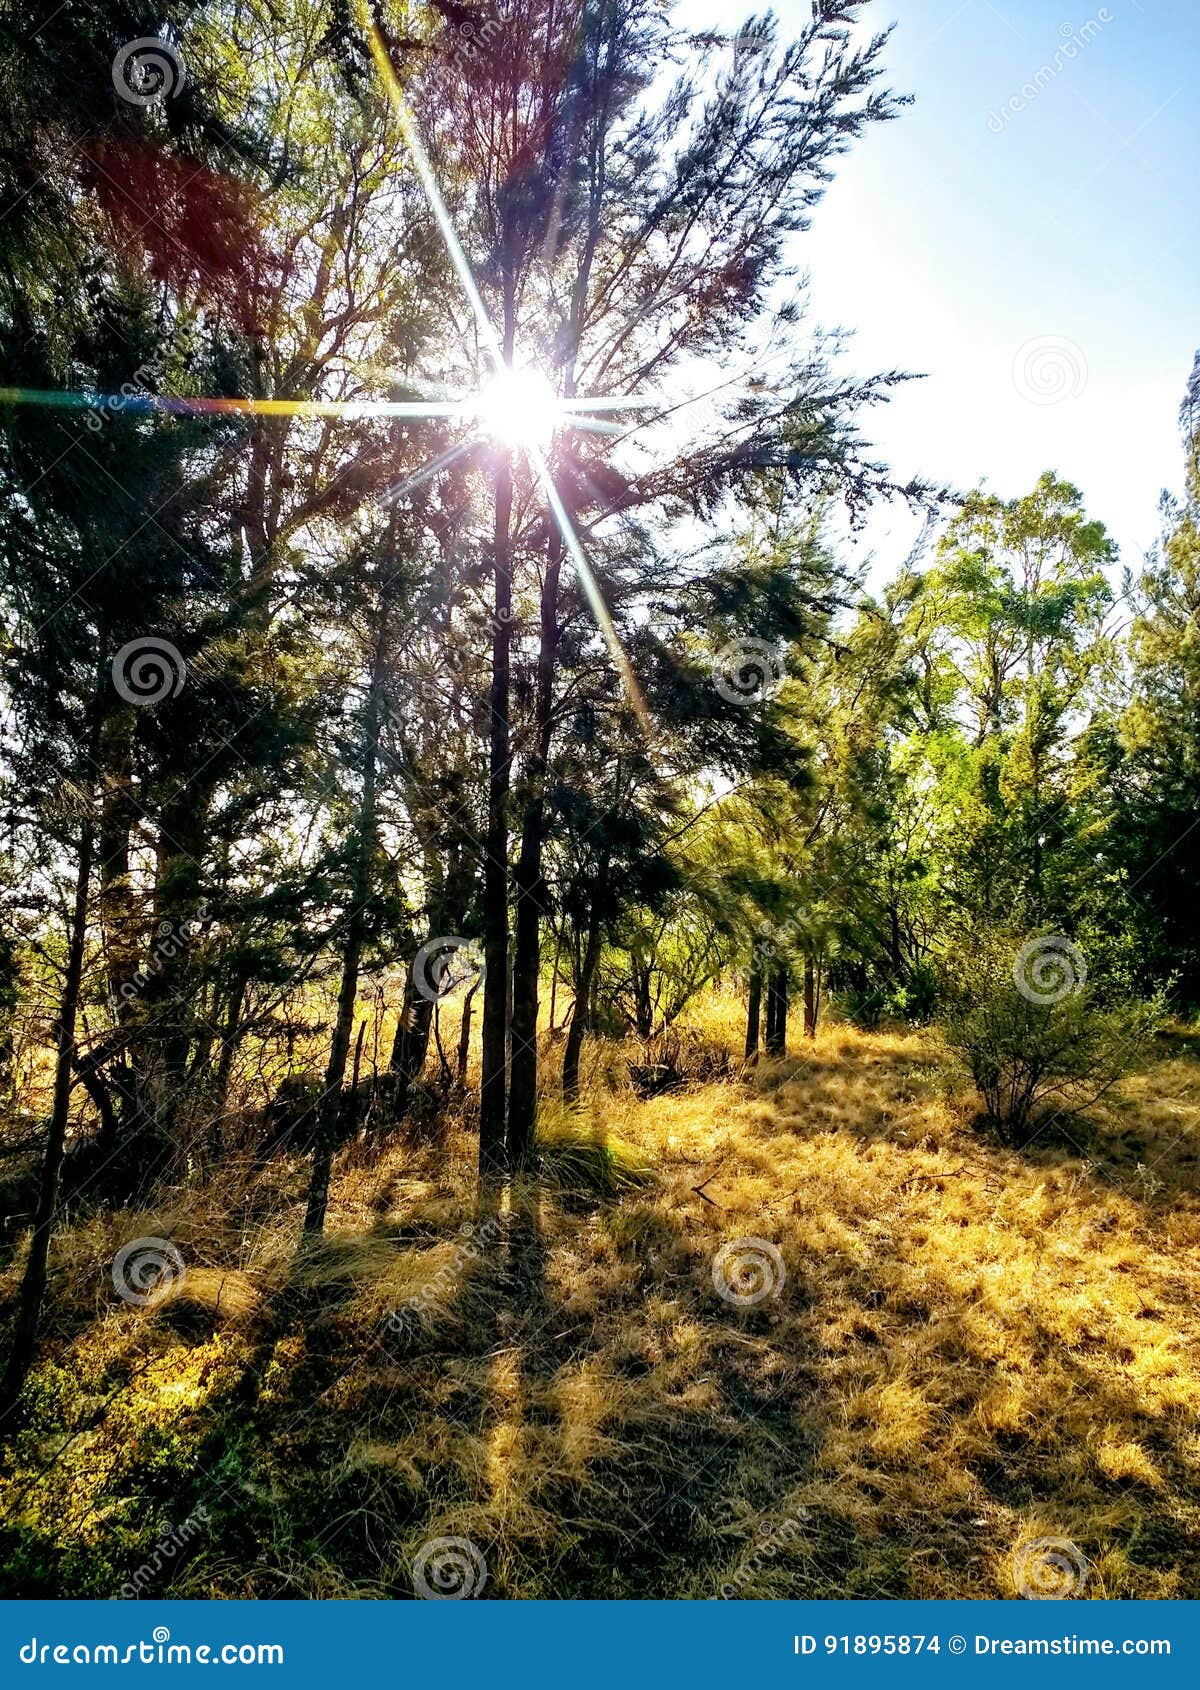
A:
493, 1093
446, 1076
895, 947
579, 1013
554, 976
333, 1101
403, 1026
754, 1011
122, 1097
118, 812
352, 1100
464, 1038
644, 1007
527, 953
153, 1137
33, 1283
224, 1074
810, 999
777, 1009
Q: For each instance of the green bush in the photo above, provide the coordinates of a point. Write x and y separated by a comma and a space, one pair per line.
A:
1039, 1040
912, 999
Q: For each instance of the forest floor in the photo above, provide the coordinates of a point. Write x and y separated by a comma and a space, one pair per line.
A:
973, 1349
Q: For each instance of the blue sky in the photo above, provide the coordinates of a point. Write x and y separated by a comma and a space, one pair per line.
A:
999, 251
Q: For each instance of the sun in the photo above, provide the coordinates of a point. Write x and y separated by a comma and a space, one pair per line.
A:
518, 407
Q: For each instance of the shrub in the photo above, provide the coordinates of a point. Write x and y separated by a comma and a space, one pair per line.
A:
1038, 1039
588, 1162
912, 999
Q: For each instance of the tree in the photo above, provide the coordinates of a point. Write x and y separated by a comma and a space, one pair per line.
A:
1157, 786
619, 243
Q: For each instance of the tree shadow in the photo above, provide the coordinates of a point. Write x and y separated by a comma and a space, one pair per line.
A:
963, 1350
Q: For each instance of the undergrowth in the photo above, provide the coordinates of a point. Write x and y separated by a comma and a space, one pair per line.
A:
973, 1348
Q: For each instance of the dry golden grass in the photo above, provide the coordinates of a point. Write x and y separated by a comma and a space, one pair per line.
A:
973, 1349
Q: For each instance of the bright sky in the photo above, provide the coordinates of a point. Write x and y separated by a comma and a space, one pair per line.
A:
995, 249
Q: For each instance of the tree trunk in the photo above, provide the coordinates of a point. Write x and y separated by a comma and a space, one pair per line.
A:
895, 948
643, 1004
410, 1046
352, 1100
122, 1098
119, 922
464, 1038
493, 1089
151, 1135
33, 1283
527, 953
554, 976
754, 1011
579, 1013
220, 1093
777, 1010
810, 999
333, 1101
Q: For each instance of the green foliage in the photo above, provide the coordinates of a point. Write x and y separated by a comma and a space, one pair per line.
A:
1040, 1042
1155, 774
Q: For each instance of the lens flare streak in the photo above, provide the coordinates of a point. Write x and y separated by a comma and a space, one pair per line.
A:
478, 410
491, 341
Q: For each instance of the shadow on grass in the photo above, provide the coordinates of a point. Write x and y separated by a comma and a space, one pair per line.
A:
971, 1347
